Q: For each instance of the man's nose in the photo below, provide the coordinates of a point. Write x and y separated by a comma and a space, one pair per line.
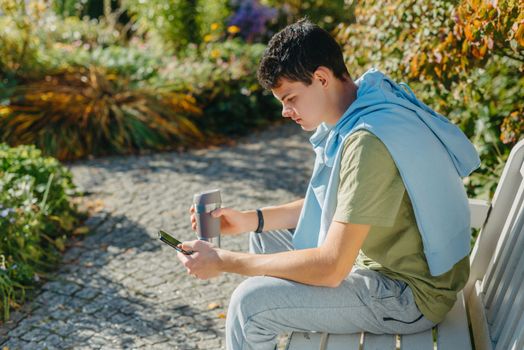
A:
287, 112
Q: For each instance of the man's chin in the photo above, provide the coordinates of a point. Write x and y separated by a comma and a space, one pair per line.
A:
308, 127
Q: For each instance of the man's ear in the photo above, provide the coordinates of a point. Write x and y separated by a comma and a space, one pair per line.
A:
323, 75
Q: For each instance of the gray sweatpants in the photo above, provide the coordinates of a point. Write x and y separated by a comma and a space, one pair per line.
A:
263, 307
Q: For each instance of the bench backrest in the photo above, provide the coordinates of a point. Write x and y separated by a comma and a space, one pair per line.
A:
495, 289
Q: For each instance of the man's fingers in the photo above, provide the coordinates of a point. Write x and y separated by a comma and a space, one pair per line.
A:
182, 257
189, 245
192, 209
219, 212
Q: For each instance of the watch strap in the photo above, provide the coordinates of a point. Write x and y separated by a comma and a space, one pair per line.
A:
260, 226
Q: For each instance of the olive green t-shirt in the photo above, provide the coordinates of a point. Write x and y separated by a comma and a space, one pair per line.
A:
371, 191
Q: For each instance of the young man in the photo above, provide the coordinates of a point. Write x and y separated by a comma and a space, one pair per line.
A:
381, 239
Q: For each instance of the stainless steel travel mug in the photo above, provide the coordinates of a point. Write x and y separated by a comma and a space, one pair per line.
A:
208, 227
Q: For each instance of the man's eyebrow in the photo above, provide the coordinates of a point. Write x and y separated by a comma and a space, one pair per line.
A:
285, 95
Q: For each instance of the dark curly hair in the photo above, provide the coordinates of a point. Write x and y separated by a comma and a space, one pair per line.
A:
296, 52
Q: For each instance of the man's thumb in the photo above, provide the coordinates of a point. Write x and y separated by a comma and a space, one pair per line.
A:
188, 245
218, 212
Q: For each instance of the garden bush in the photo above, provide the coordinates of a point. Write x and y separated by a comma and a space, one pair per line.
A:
223, 80
176, 24
93, 111
36, 215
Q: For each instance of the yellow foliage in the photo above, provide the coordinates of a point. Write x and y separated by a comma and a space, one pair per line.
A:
519, 34
81, 230
233, 29
95, 112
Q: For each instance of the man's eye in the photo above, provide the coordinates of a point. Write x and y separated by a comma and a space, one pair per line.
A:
291, 99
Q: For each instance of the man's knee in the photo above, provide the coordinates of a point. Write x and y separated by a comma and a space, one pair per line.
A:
247, 299
258, 294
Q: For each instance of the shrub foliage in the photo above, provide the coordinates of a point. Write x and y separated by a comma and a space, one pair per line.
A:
95, 112
36, 214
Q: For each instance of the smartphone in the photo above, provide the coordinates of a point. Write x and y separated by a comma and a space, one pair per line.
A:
172, 241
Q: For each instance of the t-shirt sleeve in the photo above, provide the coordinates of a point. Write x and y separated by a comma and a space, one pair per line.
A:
371, 188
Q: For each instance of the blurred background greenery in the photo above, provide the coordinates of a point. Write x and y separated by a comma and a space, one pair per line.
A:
87, 78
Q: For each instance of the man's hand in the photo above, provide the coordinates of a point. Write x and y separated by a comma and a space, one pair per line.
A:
204, 263
232, 222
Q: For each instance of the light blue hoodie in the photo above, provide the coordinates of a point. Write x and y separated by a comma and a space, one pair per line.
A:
430, 153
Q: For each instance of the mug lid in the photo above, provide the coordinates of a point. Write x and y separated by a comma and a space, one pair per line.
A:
206, 197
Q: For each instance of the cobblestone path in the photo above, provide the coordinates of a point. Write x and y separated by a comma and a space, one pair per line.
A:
121, 287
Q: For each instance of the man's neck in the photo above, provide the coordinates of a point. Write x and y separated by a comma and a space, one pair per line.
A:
345, 95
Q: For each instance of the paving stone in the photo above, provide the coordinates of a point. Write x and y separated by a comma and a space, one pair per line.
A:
32, 345
65, 330
34, 335
61, 314
87, 293
83, 335
210, 344
61, 287
52, 340
156, 338
92, 308
97, 341
22, 328
77, 303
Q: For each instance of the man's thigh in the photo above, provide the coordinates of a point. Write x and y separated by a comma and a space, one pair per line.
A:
365, 301
280, 305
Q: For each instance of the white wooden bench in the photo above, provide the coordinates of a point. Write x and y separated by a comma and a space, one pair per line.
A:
494, 293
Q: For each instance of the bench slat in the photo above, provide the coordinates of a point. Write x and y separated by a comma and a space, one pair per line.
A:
301, 341
379, 342
518, 341
479, 210
453, 332
507, 322
343, 341
502, 290
512, 299
477, 316
498, 266
515, 341
417, 341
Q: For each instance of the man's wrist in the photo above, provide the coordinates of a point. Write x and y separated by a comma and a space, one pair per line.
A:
222, 259
251, 220
260, 221
227, 261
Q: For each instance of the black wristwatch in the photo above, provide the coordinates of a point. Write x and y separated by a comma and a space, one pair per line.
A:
260, 227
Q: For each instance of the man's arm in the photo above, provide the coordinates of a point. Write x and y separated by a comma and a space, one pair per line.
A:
279, 216
327, 265
234, 222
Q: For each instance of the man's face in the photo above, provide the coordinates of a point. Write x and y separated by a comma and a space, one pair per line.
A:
305, 104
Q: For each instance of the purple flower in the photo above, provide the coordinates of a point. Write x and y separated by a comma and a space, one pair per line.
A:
251, 18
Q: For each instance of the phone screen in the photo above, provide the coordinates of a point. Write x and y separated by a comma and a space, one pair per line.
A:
172, 241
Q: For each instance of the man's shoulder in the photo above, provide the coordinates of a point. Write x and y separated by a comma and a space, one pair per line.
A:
363, 138
365, 149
